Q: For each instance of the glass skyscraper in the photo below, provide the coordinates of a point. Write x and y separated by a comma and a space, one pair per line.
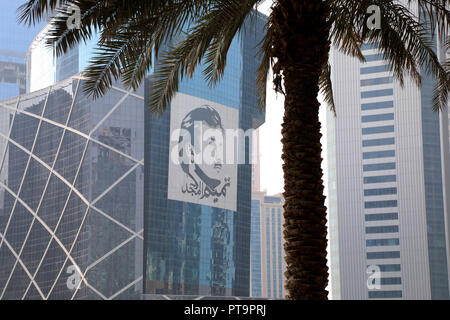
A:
197, 239
14, 42
71, 194
267, 241
71, 184
72, 187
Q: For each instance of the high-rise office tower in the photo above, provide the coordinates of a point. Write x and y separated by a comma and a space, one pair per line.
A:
197, 214
388, 158
267, 254
72, 176
267, 265
14, 42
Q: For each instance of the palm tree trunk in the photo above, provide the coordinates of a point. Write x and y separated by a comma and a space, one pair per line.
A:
302, 46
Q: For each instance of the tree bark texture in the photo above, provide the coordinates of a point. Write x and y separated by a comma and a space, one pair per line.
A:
301, 48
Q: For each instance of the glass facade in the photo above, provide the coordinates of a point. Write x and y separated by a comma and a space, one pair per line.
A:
383, 255
375, 130
255, 263
192, 248
267, 221
71, 194
383, 294
376, 81
377, 105
377, 93
434, 196
378, 117
14, 42
376, 69
381, 216
378, 142
380, 179
382, 229
45, 69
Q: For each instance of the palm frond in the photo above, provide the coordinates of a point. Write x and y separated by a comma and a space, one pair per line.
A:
326, 86
346, 21
62, 38
34, 11
264, 54
182, 58
234, 16
405, 41
441, 91
106, 65
130, 44
438, 13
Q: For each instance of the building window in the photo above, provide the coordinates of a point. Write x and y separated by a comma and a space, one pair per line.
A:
378, 117
383, 255
389, 267
377, 105
377, 93
380, 179
381, 216
379, 166
374, 130
385, 294
380, 204
391, 281
376, 69
380, 192
378, 142
382, 242
376, 81
369, 46
382, 229
379, 154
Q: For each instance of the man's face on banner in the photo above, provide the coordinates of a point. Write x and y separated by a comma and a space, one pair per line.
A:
203, 144
212, 151
199, 170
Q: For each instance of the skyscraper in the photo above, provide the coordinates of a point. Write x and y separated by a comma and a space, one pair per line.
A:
14, 42
267, 265
71, 186
267, 252
388, 184
197, 216
71, 219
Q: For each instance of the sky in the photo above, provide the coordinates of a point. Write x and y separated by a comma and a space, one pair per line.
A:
270, 135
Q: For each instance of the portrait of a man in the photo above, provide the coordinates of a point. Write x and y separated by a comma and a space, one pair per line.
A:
201, 154
201, 169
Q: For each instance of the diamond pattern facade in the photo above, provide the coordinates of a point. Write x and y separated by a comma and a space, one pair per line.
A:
71, 194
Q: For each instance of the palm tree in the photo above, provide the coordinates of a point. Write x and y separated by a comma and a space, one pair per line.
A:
296, 48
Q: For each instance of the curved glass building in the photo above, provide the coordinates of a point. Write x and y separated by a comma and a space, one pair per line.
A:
71, 186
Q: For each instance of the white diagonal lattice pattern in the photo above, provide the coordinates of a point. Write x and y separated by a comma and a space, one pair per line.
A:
71, 188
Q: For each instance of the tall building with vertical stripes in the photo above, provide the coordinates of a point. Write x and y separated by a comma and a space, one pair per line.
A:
267, 253
388, 162
267, 265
